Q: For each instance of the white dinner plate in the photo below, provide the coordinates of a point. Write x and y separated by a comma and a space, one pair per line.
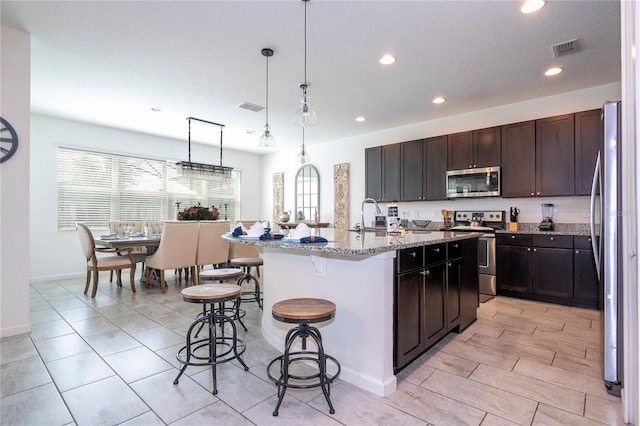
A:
247, 237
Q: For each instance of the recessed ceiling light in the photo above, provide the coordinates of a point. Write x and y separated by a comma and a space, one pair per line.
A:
387, 59
156, 109
438, 100
361, 118
531, 6
553, 71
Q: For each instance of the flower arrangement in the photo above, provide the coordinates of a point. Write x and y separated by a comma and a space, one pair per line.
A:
199, 212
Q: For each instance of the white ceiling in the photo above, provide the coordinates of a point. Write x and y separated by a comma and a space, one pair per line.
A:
109, 62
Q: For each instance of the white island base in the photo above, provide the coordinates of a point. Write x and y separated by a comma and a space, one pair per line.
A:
360, 336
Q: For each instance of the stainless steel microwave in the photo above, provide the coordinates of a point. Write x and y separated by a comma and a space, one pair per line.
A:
480, 182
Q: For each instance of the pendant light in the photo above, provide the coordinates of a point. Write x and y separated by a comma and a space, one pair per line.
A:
303, 155
305, 116
267, 140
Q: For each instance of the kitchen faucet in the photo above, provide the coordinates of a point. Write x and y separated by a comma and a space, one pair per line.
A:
367, 200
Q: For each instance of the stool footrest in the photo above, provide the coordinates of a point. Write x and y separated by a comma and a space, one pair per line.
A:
294, 357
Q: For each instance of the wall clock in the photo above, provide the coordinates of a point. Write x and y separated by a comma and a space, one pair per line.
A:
8, 140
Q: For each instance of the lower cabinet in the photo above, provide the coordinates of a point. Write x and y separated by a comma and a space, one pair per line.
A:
546, 268
436, 291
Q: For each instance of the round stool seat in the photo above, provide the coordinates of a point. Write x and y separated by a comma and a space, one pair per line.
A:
303, 310
210, 293
246, 261
221, 274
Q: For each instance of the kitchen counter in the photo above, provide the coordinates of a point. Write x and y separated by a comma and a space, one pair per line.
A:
559, 229
355, 271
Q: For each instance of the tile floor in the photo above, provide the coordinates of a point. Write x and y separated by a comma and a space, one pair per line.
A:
111, 360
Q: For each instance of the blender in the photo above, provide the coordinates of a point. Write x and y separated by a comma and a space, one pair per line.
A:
547, 214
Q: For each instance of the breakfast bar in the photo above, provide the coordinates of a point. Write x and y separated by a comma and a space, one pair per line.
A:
356, 271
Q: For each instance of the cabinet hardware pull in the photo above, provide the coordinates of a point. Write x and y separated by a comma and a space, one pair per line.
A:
528, 248
551, 238
535, 249
513, 237
425, 272
449, 265
413, 254
532, 193
455, 246
437, 250
577, 251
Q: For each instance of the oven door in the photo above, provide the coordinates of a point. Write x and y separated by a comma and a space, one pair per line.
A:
487, 264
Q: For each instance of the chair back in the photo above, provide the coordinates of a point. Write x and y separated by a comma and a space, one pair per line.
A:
212, 249
155, 226
117, 226
86, 240
178, 246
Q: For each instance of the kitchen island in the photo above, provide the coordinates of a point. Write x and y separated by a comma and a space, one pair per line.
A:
357, 272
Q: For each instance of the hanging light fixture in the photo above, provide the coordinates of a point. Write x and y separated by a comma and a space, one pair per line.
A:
267, 140
201, 169
305, 116
303, 155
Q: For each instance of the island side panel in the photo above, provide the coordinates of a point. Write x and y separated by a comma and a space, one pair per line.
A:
360, 336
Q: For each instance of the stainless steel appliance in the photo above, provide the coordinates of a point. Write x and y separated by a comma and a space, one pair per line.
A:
480, 182
486, 222
547, 217
606, 215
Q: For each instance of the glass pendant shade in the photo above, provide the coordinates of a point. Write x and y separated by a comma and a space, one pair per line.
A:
305, 116
267, 140
303, 156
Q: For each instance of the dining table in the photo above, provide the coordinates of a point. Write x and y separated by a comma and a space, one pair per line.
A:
150, 242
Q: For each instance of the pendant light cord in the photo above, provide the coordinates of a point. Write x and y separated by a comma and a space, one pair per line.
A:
267, 100
305, 44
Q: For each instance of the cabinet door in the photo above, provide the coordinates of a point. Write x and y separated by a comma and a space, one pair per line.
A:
409, 315
486, 147
586, 289
412, 170
454, 281
555, 169
460, 151
552, 272
519, 159
434, 184
373, 173
469, 282
513, 265
589, 140
391, 172
435, 300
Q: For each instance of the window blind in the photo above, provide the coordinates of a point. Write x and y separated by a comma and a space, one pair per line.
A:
95, 188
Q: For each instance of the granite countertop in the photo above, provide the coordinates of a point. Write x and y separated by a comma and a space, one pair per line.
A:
581, 229
356, 243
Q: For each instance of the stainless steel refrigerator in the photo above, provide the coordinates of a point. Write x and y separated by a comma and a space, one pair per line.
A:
606, 237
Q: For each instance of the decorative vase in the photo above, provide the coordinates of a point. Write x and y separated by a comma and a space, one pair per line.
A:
284, 217
300, 215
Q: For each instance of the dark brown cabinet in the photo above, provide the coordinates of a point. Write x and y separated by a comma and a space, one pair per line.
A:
555, 169
382, 172
436, 291
586, 287
547, 268
423, 169
589, 139
477, 148
519, 159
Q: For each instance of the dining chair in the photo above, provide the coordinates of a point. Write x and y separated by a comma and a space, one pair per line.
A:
177, 250
155, 227
212, 249
121, 259
139, 253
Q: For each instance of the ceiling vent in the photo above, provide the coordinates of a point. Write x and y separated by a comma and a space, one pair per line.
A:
251, 107
566, 48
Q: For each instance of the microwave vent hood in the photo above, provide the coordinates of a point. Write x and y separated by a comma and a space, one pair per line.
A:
478, 182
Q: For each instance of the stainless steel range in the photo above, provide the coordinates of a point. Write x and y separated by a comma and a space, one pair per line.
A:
486, 222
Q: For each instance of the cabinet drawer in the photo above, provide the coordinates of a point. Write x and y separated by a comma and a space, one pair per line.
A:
434, 254
555, 241
582, 242
410, 258
514, 239
454, 250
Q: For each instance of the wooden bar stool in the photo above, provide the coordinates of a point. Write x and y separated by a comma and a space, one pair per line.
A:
246, 263
233, 348
221, 275
303, 312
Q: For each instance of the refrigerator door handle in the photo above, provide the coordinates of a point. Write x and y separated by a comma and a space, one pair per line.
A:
597, 184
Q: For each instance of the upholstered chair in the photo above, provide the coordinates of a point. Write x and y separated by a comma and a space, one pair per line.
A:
212, 249
139, 253
118, 260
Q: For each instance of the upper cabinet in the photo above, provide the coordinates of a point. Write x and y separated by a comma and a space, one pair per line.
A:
519, 159
589, 140
538, 157
478, 148
382, 180
554, 156
423, 169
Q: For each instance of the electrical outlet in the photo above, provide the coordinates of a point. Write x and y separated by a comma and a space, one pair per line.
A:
585, 213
